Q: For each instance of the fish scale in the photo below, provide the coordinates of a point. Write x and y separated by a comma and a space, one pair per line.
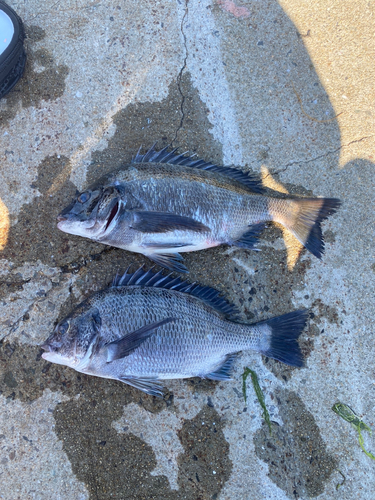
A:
146, 328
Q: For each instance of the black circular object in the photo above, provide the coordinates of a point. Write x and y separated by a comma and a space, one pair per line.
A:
12, 52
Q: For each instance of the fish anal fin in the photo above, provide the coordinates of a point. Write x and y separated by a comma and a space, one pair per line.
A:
162, 222
224, 370
148, 385
129, 343
250, 238
171, 261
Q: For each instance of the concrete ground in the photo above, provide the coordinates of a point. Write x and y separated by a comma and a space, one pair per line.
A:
284, 89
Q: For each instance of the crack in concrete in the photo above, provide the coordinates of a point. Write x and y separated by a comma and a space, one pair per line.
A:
304, 162
15, 282
75, 267
179, 77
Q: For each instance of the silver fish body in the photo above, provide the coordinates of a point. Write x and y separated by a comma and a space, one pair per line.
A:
164, 204
147, 328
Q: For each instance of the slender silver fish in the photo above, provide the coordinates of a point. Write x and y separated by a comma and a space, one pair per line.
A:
147, 327
164, 203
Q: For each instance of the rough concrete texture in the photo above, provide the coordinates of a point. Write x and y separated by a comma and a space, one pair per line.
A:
282, 88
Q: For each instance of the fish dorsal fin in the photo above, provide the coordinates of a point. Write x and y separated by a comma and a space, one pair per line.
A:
205, 293
186, 160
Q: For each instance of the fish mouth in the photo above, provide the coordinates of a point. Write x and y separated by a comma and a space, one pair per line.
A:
112, 215
46, 347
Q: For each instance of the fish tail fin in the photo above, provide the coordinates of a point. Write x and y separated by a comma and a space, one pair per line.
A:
304, 220
279, 337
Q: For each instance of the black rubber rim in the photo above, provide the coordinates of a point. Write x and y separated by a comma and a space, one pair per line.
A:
13, 59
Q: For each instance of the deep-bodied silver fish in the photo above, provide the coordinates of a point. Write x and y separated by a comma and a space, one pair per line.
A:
163, 203
146, 328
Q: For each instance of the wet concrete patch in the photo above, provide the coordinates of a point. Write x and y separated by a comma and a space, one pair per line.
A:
205, 466
114, 465
296, 454
35, 235
164, 122
43, 79
326, 311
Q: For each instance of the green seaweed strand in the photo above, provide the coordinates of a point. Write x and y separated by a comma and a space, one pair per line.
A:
343, 481
258, 392
345, 412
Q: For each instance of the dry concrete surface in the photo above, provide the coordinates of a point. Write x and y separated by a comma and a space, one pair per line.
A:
284, 89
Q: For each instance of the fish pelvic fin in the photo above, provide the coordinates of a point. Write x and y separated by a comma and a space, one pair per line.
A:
150, 386
279, 337
171, 261
304, 220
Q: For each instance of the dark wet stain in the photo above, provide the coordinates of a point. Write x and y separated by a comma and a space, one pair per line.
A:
205, 466
329, 236
143, 124
118, 466
326, 311
45, 83
199, 385
296, 454
76, 26
35, 236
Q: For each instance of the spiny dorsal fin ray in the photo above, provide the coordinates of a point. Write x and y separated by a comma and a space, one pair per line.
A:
148, 278
165, 156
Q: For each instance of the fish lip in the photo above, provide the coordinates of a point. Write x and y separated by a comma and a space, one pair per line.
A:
46, 347
61, 218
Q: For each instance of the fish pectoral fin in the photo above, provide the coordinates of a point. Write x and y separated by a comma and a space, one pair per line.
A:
224, 369
171, 261
162, 222
250, 238
160, 246
147, 385
128, 344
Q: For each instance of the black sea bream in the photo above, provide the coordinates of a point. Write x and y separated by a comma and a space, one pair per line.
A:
146, 328
163, 204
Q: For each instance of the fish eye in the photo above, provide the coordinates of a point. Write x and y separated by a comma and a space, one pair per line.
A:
82, 198
63, 328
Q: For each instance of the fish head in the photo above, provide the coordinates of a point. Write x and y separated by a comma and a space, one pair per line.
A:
74, 339
92, 214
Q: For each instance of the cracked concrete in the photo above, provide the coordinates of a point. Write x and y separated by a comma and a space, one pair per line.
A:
179, 77
282, 88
